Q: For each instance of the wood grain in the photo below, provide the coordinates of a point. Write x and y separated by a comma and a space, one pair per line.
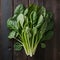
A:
0, 34
6, 12
58, 29
20, 55
39, 55
52, 50
49, 49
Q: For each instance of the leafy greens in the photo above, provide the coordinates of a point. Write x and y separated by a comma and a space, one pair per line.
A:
29, 27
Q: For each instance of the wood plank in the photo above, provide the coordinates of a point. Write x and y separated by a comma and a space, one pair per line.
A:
0, 34
20, 55
54, 6
25, 2
6, 10
40, 2
31, 1
51, 50
58, 29
39, 55
16, 2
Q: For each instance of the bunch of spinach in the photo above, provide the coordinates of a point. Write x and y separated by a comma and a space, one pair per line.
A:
29, 27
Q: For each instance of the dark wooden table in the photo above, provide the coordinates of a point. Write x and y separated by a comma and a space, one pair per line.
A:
51, 52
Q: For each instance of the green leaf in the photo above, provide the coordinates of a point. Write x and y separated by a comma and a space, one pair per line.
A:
19, 9
43, 45
17, 34
48, 35
11, 35
34, 31
40, 21
31, 17
34, 18
17, 46
43, 11
11, 24
14, 17
31, 8
20, 19
26, 11
43, 28
50, 26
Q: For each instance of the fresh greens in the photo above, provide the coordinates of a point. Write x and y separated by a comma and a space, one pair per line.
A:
29, 27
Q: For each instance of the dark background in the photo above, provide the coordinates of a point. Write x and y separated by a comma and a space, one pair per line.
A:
51, 52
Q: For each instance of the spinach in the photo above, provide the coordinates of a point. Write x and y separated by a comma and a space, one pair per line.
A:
29, 27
